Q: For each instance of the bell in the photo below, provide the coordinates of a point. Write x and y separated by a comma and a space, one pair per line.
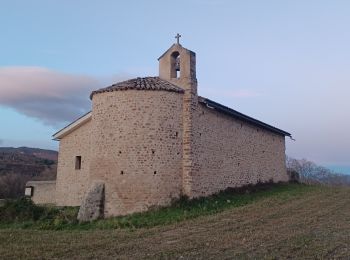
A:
177, 64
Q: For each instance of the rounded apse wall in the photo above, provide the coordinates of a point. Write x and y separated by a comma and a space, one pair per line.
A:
136, 148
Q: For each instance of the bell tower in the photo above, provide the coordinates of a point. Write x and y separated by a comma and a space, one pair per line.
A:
178, 66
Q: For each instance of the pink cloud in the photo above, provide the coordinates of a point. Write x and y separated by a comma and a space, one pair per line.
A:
52, 97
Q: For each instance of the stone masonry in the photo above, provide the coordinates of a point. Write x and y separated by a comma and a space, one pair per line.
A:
43, 191
151, 140
71, 184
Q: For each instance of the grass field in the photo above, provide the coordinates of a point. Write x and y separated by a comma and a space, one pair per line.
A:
294, 221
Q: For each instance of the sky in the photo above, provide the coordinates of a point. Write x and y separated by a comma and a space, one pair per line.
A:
285, 63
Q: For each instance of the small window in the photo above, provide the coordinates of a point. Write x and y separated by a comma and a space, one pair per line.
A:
77, 162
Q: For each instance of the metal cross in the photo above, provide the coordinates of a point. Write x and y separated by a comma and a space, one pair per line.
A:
178, 38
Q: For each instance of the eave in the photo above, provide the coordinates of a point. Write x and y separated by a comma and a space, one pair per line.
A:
72, 126
233, 113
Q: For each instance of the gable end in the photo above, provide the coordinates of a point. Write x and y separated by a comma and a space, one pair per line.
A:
72, 126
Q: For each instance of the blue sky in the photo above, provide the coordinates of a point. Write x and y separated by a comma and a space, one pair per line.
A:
284, 62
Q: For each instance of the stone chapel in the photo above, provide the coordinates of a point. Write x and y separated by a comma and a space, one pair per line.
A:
150, 140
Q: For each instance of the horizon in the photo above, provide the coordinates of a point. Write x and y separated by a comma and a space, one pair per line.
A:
285, 64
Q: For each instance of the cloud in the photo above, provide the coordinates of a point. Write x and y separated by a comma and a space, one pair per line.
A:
1, 141
52, 97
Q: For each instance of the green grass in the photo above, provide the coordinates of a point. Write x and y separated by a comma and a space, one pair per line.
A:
23, 214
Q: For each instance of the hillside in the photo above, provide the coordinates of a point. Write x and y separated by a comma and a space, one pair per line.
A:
301, 222
37, 152
18, 165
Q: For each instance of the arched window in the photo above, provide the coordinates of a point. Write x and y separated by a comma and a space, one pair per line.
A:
175, 64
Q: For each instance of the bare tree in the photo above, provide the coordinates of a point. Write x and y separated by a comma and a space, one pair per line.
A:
311, 173
12, 185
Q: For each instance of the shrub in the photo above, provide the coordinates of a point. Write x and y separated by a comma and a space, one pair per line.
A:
24, 213
20, 210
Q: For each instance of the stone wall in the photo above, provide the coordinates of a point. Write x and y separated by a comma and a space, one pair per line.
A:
150, 146
137, 148
72, 183
43, 191
228, 152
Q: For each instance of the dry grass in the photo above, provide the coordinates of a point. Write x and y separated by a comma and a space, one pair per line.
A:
312, 224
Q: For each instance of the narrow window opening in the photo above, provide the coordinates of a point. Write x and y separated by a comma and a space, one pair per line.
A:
176, 134
77, 162
175, 65
153, 151
155, 172
122, 172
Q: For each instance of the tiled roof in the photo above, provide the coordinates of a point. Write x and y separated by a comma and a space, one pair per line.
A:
147, 83
229, 111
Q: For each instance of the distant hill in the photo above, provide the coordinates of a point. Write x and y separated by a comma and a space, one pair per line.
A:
37, 152
19, 165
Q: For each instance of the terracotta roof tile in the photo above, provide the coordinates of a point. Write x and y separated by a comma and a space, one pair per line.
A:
147, 83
